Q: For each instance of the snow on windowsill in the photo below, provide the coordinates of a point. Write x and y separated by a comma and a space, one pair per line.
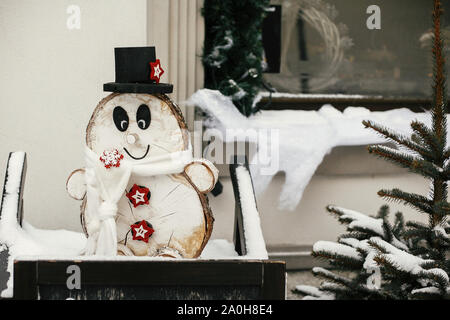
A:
301, 138
265, 94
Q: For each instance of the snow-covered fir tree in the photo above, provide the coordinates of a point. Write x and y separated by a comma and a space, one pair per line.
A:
407, 260
353, 252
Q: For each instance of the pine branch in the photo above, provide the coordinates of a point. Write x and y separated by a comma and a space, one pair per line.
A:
416, 201
401, 159
416, 225
390, 266
447, 153
330, 276
439, 90
339, 291
358, 222
311, 292
339, 260
439, 118
387, 228
427, 136
399, 225
355, 234
438, 278
383, 212
400, 139
441, 209
427, 293
417, 234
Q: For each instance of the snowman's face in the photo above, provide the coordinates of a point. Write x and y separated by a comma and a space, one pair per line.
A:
140, 126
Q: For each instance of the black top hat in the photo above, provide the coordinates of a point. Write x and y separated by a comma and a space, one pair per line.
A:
137, 71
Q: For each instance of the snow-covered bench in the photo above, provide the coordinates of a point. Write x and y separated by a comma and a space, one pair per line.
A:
37, 263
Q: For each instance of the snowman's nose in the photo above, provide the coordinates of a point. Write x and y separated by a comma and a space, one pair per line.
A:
132, 138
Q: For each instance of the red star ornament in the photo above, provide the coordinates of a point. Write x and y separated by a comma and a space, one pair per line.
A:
142, 231
156, 70
138, 195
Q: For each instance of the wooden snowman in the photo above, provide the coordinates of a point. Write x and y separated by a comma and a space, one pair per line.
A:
135, 139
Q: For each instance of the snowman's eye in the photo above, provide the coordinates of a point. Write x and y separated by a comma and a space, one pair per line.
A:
143, 116
120, 118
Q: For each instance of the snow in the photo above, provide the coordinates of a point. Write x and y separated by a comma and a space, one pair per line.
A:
313, 293
31, 241
337, 248
427, 290
406, 262
254, 240
362, 221
219, 249
352, 242
313, 95
300, 139
440, 231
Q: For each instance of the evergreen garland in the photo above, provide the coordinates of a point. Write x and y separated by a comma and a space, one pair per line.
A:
412, 257
233, 51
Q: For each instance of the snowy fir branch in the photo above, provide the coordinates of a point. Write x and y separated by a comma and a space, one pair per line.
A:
426, 136
400, 139
233, 51
395, 156
416, 201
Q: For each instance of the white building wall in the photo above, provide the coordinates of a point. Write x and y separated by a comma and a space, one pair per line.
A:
51, 79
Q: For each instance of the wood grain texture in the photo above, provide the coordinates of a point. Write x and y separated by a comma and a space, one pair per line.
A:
178, 211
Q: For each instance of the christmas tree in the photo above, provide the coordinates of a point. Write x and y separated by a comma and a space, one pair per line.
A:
408, 260
233, 52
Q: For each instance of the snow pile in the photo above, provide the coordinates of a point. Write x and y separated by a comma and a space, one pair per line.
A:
35, 242
313, 96
405, 261
254, 240
313, 293
360, 221
219, 249
27, 240
304, 137
336, 249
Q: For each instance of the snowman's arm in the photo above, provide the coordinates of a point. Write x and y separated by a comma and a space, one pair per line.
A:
203, 174
76, 184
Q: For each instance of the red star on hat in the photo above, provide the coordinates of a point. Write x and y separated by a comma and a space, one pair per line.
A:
157, 71
138, 195
142, 231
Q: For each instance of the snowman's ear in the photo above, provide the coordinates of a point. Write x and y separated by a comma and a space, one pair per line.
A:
203, 174
76, 185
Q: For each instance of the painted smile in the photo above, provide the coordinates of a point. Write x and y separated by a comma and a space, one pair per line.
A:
138, 158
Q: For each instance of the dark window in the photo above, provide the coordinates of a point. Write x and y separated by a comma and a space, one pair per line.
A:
326, 47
